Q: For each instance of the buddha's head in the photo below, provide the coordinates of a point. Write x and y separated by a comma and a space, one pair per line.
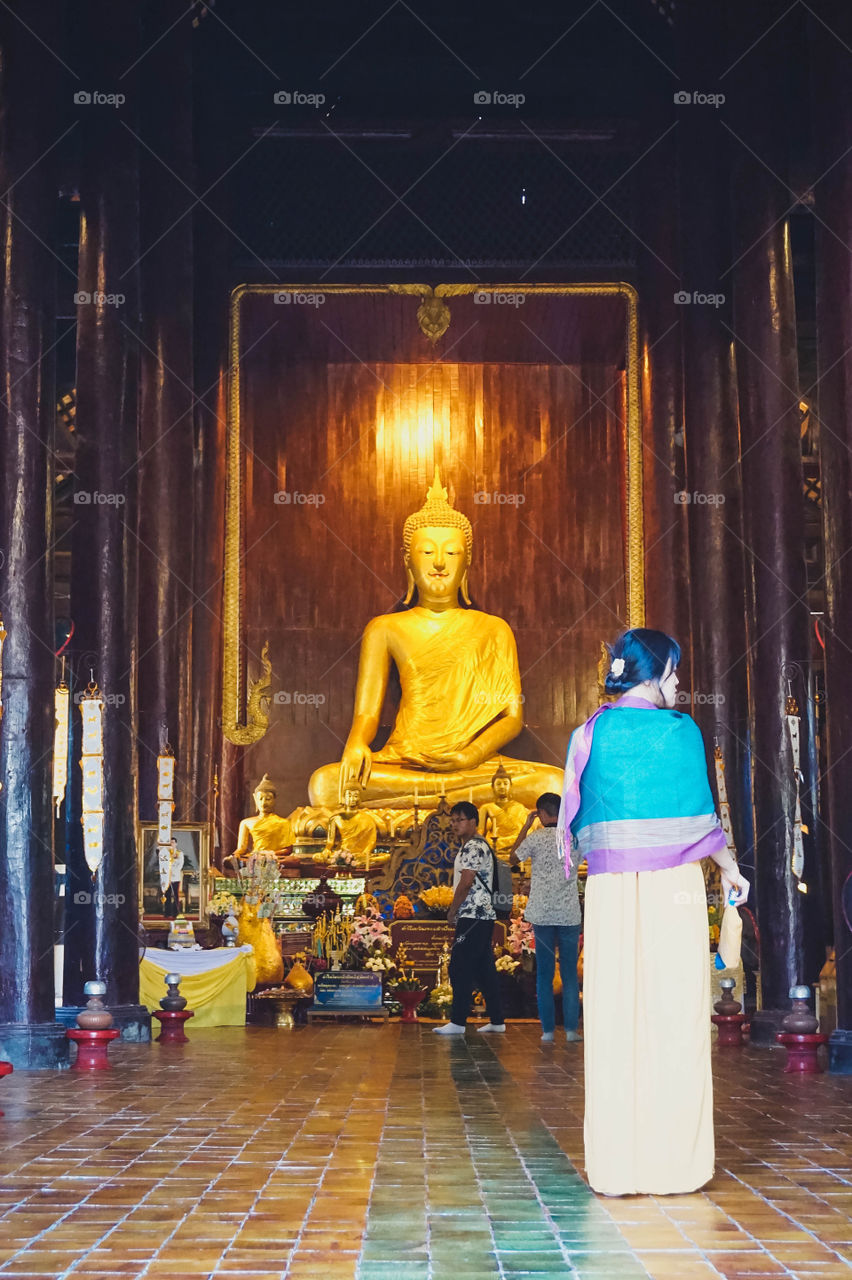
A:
501, 784
264, 795
437, 545
351, 798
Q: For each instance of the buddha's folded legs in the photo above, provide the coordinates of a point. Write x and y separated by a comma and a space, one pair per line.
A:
396, 786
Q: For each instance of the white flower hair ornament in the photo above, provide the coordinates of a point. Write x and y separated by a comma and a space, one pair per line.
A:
617, 668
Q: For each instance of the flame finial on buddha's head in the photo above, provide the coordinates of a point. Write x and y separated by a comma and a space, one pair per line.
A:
437, 512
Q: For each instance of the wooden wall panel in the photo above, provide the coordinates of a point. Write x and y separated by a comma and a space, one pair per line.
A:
361, 439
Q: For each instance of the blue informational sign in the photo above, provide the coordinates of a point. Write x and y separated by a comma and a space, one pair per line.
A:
346, 990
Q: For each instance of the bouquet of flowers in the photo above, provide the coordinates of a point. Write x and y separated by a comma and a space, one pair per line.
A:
505, 964
437, 1004
403, 908
520, 940
369, 940
223, 904
438, 899
370, 930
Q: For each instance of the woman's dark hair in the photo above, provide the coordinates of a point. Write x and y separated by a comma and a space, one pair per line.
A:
465, 809
645, 654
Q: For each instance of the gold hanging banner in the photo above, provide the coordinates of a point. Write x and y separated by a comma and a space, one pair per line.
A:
61, 708
92, 765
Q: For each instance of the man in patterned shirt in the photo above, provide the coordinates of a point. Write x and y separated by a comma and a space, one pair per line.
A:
472, 960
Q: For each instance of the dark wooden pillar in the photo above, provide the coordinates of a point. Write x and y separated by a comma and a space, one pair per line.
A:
166, 403
831, 74
713, 496
663, 456
768, 379
29, 127
102, 912
217, 148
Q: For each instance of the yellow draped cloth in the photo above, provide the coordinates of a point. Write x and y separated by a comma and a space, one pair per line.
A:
215, 990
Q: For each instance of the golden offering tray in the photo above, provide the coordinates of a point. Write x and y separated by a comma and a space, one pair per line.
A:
283, 1002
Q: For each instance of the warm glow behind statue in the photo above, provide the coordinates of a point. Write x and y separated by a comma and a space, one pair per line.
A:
460, 685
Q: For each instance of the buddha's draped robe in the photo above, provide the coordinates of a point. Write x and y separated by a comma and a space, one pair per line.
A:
454, 685
459, 680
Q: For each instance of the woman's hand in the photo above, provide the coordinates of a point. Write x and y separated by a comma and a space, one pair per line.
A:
736, 887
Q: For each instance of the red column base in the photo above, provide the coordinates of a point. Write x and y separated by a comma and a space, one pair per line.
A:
6, 1069
802, 1052
730, 1027
92, 1047
171, 1022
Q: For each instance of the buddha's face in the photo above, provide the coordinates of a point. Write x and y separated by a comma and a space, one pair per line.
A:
437, 559
265, 800
501, 788
351, 798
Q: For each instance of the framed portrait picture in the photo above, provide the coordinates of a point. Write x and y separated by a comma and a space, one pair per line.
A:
184, 871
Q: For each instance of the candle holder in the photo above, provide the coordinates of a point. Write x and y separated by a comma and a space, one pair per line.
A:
728, 1018
173, 1000
172, 1013
6, 1069
799, 1035
94, 1030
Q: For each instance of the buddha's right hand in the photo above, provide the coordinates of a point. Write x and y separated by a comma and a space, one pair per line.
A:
355, 766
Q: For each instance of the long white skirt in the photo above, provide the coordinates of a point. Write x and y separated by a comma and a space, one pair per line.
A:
646, 976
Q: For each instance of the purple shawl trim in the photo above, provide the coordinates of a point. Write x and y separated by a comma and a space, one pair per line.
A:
578, 757
660, 858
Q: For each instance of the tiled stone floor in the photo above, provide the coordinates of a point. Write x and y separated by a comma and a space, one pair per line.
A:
383, 1151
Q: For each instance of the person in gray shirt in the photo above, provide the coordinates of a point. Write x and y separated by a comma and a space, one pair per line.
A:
553, 911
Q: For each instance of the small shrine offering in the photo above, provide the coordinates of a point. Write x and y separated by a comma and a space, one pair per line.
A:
181, 934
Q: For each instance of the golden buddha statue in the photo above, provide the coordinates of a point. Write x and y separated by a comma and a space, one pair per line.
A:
460, 685
502, 818
267, 831
353, 829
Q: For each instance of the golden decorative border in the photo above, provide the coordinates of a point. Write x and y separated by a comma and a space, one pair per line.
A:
236, 725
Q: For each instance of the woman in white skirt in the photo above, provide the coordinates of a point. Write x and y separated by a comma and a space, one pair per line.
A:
637, 807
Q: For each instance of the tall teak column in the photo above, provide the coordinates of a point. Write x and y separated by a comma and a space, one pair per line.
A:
29, 129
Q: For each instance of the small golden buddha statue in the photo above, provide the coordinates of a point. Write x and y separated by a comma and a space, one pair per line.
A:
502, 818
460, 685
353, 830
267, 831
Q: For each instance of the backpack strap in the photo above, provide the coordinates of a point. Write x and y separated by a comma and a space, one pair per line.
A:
482, 879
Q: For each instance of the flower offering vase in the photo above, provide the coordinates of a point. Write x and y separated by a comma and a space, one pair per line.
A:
409, 1001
